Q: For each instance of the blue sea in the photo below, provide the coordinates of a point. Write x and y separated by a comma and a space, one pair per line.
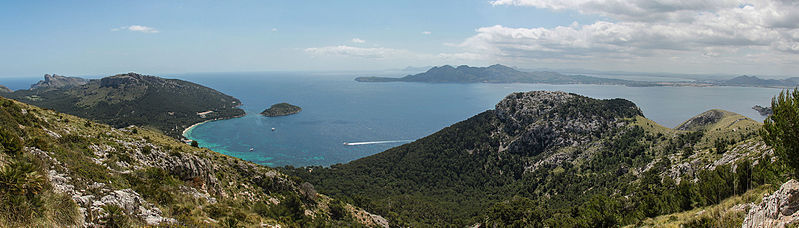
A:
343, 120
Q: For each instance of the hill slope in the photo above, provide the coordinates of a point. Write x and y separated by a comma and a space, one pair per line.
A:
59, 170
548, 159
169, 105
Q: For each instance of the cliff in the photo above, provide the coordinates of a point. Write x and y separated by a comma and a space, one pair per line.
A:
55, 81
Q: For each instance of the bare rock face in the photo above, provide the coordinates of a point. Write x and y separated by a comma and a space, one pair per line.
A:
57, 81
4, 89
702, 120
540, 121
776, 210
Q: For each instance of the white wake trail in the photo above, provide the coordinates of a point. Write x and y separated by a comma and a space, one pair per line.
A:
375, 142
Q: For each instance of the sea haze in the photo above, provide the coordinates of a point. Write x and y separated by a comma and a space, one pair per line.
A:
343, 120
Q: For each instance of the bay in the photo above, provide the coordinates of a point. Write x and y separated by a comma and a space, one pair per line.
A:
343, 120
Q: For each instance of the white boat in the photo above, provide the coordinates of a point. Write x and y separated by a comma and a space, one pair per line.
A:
251, 149
273, 129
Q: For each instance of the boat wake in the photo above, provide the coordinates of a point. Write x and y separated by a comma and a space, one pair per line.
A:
375, 142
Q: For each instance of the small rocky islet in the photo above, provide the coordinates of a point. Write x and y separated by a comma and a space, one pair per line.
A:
281, 109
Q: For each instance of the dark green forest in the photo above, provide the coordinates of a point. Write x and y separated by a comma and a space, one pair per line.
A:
169, 105
457, 176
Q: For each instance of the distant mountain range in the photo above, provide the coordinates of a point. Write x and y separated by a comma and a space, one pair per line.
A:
502, 74
169, 105
496, 74
755, 81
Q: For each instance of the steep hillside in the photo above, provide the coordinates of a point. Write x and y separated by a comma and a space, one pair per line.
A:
169, 105
552, 159
59, 170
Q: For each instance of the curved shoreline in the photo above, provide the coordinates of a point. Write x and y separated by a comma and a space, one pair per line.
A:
206, 121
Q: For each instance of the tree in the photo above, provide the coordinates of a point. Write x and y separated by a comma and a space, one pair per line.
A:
781, 129
194, 143
721, 146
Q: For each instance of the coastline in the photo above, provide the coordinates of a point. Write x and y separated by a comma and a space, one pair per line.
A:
206, 121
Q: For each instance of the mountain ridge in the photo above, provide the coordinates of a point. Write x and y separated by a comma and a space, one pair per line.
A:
169, 105
555, 153
496, 74
55, 81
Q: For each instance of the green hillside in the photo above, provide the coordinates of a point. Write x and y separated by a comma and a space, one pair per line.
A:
58, 170
169, 105
552, 159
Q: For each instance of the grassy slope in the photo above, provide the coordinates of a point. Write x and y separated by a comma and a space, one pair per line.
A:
171, 176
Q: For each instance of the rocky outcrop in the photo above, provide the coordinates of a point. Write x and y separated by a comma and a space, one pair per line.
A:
4, 89
776, 210
764, 111
57, 81
539, 122
703, 120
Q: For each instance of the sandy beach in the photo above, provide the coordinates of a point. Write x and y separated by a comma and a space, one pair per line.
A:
192, 126
197, 124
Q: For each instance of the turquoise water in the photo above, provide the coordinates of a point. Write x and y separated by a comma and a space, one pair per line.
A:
338, 110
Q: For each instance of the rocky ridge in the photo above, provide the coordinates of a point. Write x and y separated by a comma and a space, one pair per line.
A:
55, 81
541, 122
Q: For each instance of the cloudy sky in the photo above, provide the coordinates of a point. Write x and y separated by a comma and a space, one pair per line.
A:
756, 37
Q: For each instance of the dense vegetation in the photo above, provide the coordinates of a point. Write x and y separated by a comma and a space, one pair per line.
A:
781, 129
281, 109
624, 173
169, 105
52, 165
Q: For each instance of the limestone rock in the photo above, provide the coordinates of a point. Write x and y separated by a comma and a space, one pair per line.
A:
57, 81
776, 210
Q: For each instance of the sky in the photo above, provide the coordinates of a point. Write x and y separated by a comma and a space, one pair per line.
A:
753, 37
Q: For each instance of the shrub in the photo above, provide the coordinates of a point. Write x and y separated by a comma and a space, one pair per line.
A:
20, 186
11, 143
115, 217
337, 210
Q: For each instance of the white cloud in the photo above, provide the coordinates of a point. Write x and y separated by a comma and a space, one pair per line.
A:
427, 33
274, 29
369, 53
136, 28
649, 29
358, 41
